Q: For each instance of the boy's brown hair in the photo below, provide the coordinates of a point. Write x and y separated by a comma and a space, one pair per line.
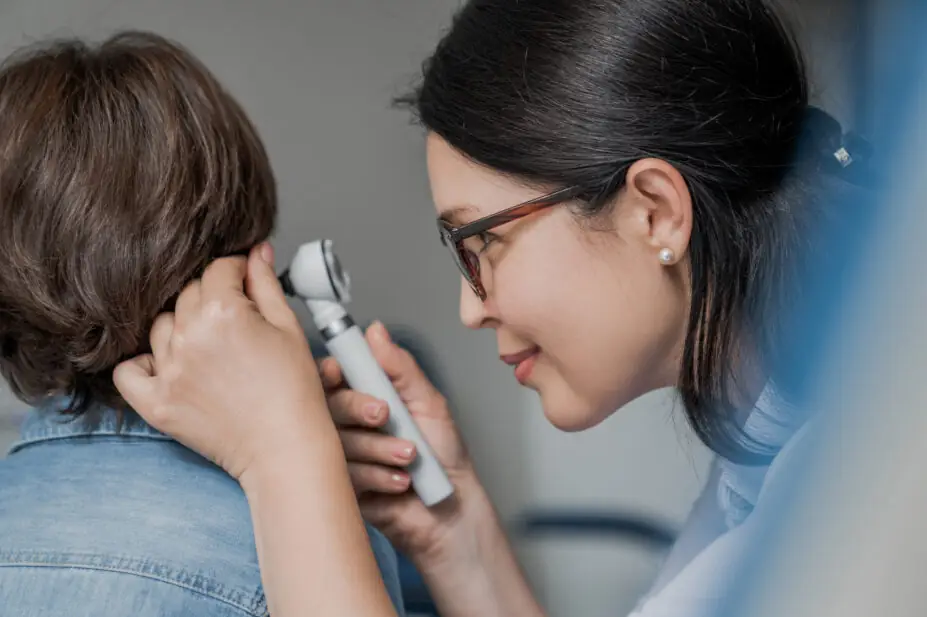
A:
125, 169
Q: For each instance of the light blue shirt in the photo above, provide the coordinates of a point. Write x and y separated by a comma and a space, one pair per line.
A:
722, 525
96, 522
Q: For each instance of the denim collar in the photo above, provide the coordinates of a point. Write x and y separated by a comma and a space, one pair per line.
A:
47, 423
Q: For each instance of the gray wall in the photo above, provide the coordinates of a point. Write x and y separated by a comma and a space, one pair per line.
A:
827, 30
317, 78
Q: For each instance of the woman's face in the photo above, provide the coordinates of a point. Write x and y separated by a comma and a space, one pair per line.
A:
584, 309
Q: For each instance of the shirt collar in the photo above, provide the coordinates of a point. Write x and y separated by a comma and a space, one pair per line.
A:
772, 422
48, 422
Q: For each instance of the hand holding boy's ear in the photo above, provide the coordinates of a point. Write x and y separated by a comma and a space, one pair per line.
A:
230, 374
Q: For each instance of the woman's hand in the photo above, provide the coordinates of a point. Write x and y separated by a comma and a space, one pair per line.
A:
259, 407
231, 376
459, 546
376, 461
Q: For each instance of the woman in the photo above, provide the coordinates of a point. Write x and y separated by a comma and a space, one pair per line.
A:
622, 188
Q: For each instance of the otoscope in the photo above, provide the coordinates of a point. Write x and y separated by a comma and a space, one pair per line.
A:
315, 276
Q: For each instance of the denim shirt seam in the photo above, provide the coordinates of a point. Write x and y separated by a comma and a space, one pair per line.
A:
54, 435
252, 604
48, 423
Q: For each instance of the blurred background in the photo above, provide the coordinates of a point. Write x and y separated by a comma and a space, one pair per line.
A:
317, 77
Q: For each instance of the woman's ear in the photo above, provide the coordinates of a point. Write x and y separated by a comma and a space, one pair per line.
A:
657, 209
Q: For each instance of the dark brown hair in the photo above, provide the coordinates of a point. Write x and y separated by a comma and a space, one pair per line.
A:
125, 168
571, 93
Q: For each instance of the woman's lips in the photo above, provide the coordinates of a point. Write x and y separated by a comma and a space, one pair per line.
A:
523, 362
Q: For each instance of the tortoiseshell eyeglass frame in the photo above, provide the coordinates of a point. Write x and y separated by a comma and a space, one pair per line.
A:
467, 261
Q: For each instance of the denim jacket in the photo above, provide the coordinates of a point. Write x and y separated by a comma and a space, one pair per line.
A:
99, 519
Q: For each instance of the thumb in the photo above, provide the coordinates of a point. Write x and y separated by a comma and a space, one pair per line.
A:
135, 381
263, 288
405, 373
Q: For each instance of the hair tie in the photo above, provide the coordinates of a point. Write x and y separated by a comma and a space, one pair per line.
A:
843, 154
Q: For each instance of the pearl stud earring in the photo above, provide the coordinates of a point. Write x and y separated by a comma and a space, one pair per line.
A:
667, 256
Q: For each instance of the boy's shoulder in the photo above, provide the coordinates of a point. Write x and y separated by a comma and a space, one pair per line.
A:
110, 516
141, 512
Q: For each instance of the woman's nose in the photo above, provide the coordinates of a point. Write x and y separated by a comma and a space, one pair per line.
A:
472, 309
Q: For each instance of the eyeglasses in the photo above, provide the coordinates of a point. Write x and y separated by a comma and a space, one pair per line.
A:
467, 260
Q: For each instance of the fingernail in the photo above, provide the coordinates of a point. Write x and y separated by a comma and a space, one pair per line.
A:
374, 411
379, 332
399, 479
405, 454
267, 253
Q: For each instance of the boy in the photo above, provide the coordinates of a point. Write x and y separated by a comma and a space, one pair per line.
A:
125, 169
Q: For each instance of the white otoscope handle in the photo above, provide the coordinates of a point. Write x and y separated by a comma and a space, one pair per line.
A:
364, 374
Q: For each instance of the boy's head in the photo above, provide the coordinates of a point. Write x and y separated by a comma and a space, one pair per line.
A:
125, 169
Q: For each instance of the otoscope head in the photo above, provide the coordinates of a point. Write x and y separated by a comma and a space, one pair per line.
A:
316, 274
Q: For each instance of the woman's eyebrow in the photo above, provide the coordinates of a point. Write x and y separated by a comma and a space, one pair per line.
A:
455, 214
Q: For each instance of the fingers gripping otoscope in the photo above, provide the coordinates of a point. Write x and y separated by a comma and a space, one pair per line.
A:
315, 276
